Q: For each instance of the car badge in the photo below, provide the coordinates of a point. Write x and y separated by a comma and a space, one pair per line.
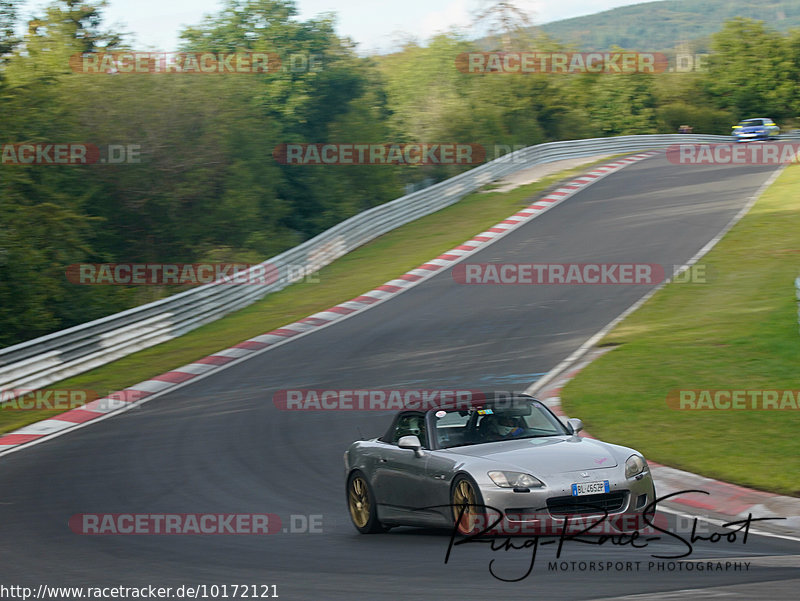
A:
584, 474
601, 460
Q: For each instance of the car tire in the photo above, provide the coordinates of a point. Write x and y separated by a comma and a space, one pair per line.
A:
361, 504
465, 490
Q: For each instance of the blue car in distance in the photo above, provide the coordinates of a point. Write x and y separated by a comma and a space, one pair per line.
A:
755, 129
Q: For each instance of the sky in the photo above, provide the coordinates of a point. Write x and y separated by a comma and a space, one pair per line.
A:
378, 26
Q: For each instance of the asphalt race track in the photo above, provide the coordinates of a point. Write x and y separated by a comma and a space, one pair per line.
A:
220, 445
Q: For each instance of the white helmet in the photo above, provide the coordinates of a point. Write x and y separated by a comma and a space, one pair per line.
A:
505, 424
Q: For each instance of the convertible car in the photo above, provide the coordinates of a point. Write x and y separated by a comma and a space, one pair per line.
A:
504, 461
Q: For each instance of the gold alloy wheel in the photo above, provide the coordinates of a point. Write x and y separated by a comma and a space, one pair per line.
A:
359, 501
464, 494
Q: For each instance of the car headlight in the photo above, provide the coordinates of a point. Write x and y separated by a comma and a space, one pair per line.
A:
635, 465
515, 480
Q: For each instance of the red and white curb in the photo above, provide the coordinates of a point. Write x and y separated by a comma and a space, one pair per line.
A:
144, 391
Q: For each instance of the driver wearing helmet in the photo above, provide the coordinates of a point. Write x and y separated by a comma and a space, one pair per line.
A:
504, 426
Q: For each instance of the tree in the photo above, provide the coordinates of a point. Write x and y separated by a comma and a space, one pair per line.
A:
503, 19
8, 20
751, 71
320, 86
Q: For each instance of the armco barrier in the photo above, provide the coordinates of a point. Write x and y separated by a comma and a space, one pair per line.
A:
42, 361
797, 293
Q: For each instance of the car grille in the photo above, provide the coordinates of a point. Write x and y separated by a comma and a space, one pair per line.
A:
589, 504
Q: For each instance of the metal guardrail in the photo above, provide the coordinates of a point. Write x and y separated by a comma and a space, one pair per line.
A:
42, 361
797, 293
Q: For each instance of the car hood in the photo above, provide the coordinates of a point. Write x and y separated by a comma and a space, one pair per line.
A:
545, 455
751, 129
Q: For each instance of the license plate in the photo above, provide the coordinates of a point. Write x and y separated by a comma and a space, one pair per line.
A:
589, 488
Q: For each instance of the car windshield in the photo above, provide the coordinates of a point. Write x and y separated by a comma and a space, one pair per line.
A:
751, 123
506, 420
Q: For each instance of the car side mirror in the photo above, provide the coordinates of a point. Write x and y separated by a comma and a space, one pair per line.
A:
575, 425
411, 442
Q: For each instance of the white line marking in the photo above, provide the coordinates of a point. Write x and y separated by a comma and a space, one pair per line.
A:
720, 523
584, 348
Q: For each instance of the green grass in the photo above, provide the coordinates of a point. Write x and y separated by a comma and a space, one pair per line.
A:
357, 272
736, 331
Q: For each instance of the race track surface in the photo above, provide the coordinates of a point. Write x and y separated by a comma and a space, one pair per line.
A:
221, 446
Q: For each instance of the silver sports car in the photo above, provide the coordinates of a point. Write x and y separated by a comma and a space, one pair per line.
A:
505, 462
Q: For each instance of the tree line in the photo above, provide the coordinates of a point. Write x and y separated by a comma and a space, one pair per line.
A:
205, 186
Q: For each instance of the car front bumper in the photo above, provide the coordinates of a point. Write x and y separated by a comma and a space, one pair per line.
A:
747, 137
553, 509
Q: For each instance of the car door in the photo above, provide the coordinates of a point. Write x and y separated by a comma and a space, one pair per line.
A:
399, 473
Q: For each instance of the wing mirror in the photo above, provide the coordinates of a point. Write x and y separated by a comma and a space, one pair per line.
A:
575, 425
411, 442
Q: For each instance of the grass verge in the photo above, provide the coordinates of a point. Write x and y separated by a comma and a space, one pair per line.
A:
736, 331
357, 272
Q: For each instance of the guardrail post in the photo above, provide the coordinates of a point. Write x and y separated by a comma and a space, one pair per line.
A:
797, 295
